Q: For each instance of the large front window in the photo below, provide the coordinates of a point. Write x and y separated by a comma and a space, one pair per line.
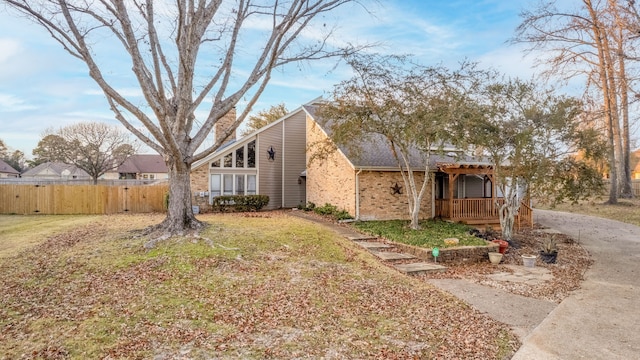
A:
233, 184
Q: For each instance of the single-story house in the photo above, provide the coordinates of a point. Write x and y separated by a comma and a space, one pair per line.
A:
277, 161
56, 171
7, 171
140, 167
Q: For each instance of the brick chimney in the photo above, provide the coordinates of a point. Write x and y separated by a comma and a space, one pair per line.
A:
223, 124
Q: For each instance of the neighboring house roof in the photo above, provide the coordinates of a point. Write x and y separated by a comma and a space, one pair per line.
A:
374, 152
144, 164
55, 169
7, 169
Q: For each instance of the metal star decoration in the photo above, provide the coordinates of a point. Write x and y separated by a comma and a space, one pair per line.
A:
397, 189
271, 154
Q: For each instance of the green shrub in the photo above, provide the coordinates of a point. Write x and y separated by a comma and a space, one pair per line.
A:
308, 207
239, 202
327, 209
331, 210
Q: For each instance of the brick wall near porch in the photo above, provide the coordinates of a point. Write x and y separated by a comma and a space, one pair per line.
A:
378, 202
331, 180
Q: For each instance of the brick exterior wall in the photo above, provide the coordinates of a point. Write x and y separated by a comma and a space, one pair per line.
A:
200, 182
332, 180
378, 202
223, 124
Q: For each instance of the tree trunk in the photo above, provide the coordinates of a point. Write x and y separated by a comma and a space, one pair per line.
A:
604, 56
180, 213
626, 190
507, 220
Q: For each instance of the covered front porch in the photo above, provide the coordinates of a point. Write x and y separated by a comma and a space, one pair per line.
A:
466, 193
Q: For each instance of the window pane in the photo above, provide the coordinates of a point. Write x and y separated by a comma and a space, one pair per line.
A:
216, 163
227, 184
251, 184
240, 158
228, 160
239, 184
215, 185
251, 154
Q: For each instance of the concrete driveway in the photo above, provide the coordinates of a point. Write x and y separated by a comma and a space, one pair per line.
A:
602, 319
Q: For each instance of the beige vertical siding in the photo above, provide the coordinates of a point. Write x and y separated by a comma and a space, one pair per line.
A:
294, 159
270, 172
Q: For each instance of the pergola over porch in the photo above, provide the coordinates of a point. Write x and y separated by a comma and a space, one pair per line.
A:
466, 193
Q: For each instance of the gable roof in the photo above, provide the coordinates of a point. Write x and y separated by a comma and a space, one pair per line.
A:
247, 138
374, 152
7, 169
55, 169
144, 164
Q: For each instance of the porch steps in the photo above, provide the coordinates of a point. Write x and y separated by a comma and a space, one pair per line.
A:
419, 268
405, 263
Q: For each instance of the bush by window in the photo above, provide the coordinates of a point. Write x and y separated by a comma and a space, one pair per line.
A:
239, 203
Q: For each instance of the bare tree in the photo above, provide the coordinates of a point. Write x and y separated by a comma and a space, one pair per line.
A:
183, 55
15, 158
91, 146
591, 41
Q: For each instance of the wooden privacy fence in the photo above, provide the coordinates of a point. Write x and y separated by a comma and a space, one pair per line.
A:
81, 199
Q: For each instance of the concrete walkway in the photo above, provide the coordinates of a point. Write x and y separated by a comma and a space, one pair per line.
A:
602, 319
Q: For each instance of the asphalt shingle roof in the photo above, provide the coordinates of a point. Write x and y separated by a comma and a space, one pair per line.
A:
7, 169
375, 152
144, 164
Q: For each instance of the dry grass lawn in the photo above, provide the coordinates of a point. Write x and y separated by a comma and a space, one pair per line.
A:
627, 210
254, 286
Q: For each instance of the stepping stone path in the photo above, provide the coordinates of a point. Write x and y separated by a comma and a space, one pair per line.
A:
400, 261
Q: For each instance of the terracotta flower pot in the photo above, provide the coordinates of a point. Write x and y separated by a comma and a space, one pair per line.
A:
503, 245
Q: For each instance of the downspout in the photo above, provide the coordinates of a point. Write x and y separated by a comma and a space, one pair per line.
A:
358, 195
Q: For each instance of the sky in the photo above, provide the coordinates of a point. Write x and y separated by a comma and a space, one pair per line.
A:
43, 87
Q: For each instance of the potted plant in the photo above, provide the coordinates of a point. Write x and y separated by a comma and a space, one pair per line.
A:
503, 245
549, 251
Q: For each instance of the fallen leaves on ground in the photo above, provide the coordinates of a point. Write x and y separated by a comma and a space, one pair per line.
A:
568, 271
275, 287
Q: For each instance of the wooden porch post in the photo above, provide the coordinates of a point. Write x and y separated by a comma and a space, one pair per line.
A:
493, 192
452, 179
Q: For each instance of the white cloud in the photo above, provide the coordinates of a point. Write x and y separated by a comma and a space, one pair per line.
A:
11, 103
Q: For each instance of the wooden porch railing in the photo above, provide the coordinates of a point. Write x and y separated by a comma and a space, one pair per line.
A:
479, 209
